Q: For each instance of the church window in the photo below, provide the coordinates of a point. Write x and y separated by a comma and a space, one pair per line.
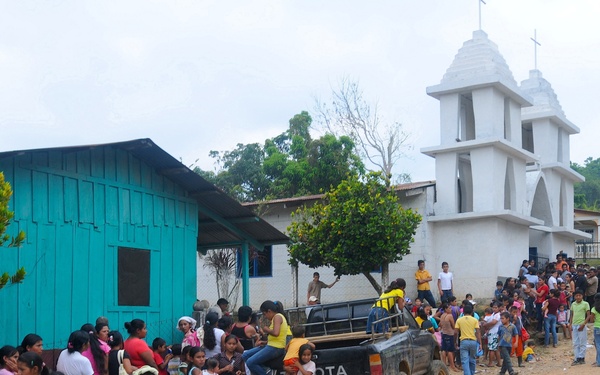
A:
527, 136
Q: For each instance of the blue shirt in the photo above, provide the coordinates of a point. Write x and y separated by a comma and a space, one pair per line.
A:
506, 333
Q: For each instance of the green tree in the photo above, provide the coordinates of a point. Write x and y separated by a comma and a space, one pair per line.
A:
6, 215
357, 228
587, 193
288, 165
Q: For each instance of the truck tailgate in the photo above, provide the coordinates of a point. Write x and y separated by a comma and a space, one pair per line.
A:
352, 360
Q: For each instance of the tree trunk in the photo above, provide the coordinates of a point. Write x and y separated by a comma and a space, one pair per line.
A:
385, 275
295, 285
373, 282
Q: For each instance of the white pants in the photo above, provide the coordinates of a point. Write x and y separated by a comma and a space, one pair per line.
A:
579, 341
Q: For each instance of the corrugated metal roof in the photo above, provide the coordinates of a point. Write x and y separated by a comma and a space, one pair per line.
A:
223, 221
315, 197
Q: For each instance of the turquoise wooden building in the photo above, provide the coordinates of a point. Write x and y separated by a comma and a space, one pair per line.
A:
112, 230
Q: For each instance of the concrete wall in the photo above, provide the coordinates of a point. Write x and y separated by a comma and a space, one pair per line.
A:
480, 252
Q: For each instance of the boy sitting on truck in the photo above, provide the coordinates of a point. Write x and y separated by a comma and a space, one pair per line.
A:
292, 349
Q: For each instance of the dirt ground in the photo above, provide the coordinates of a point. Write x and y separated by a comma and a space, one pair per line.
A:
554, 361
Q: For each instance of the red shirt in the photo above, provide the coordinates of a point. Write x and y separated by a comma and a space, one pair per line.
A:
159, 361
135, 347
542, 293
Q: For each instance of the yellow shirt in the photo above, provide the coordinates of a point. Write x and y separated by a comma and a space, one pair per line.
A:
422, 275
526, 352
467, 326
388, 300
278, 341
294, 347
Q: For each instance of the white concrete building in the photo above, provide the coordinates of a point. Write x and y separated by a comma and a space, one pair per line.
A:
503, 189
504, 185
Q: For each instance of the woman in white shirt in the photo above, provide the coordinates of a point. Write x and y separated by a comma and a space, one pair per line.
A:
70, 361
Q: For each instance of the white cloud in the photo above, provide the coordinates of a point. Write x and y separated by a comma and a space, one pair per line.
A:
201, 75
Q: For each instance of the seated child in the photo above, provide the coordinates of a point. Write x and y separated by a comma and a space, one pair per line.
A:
415, 307
292, 350
528, 354
562, 320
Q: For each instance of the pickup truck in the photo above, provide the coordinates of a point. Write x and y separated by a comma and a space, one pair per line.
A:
343, 347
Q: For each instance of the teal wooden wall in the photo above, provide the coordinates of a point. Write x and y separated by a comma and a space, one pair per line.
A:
77, 208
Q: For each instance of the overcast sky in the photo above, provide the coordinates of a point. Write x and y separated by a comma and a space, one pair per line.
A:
196, 76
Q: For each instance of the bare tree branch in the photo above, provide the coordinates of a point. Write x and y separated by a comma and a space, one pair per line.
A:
383, 144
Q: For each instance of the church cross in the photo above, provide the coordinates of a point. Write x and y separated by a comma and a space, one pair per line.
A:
479, 2
535, 45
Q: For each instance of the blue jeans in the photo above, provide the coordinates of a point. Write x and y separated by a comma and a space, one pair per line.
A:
426, 295
539, 316
256, 358
377, 313
468, 350
550, 326
506, 363
579, 341
446, 294
597, 342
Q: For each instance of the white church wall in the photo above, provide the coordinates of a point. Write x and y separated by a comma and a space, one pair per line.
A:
543, 241
564, 244
449, 116
514, 116
545, 136
489, 167
488, 107
480, 252
446, 169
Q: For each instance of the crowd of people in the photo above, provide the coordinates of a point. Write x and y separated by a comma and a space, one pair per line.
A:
557, 297
219, 346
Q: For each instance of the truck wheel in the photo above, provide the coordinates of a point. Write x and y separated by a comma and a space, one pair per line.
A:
438, 368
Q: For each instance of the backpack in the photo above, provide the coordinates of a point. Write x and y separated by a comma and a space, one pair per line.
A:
120, 355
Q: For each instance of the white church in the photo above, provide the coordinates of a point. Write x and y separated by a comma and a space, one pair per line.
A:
503, 189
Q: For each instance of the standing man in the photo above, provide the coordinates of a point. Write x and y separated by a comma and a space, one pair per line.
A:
468, 327
423, 289
592, 286
580, 311
445, 283
313, 296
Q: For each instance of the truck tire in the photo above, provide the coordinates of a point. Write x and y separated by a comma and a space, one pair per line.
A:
438, 368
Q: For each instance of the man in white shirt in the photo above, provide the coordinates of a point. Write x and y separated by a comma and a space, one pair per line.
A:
445, 283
